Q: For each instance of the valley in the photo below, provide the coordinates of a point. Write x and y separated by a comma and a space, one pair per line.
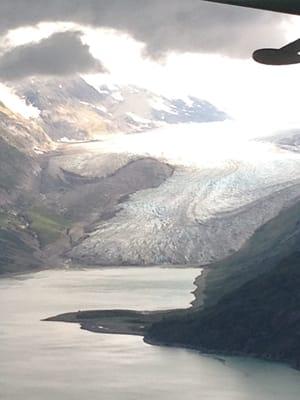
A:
153, 195
56, 187
99, 204
149, 200
238, 220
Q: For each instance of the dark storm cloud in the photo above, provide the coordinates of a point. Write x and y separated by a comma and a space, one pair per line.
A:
183, 25
164, 25
60, 54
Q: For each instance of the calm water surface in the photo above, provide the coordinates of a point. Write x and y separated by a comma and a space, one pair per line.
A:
47, 360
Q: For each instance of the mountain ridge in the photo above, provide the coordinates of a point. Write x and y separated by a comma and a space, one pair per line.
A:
74, 110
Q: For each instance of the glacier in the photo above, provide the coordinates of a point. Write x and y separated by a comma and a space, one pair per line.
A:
225, 186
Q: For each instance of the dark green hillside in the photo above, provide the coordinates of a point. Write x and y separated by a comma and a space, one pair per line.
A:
270, 244
47, 225
252, 299
262, 318
13, 166
17, 246
16, 251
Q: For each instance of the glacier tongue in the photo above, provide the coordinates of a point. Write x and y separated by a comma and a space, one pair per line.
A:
204, 212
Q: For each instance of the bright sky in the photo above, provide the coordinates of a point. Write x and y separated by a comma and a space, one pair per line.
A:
243, 88
247, 91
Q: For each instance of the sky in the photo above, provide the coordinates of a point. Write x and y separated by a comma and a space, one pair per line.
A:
240, 87
172, 47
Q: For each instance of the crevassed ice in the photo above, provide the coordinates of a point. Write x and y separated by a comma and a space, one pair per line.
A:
223, 189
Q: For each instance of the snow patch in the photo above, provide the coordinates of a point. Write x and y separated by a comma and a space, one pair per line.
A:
159, 104
96, 107
138, 119
117, 96
67, 140
188, 101
102, 108
17, 104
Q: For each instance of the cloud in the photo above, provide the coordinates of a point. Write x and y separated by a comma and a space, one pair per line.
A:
60, 54
177, 25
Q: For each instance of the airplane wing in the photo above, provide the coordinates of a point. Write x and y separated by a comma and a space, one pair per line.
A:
289, 54
286, 55
283, 6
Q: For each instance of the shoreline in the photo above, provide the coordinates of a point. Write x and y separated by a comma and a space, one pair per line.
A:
64, 263
211, 352
117, 321
137, 323
198, 293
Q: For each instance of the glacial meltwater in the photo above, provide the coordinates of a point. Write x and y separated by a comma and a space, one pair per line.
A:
49, 360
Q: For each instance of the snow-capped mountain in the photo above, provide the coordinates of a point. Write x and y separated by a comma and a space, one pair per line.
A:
74, 110
39, 195
183, 193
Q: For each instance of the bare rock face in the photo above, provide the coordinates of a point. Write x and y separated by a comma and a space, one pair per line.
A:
96, 196
22, 141
71, 109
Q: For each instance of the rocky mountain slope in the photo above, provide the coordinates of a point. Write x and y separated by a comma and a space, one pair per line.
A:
73, 110
132, 199
51, 194
63, 205
21, 143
